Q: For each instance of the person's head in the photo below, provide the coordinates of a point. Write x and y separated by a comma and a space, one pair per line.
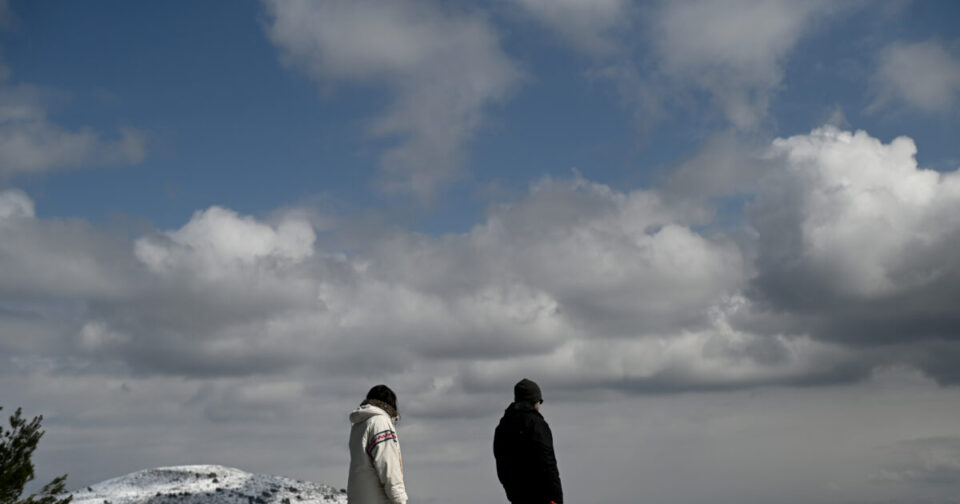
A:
527, 391
383, 394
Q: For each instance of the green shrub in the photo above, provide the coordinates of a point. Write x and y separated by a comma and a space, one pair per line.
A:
16, 469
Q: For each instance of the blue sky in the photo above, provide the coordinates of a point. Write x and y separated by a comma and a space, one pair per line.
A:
727, 226
205, 85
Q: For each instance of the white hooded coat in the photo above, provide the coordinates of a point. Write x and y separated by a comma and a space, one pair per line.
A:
376, 466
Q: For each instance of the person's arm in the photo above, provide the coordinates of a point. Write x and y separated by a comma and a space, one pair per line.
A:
504, 460
383, 447
547, 460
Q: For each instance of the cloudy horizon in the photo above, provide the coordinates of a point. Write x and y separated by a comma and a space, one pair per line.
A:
721, 235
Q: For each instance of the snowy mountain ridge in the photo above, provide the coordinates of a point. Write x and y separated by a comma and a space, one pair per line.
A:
206, 484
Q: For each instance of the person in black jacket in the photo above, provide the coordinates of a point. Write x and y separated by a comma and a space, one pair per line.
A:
523, 448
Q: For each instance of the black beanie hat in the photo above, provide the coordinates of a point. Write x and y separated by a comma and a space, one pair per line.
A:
527, 391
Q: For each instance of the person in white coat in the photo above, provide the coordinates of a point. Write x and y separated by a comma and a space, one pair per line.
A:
376, 466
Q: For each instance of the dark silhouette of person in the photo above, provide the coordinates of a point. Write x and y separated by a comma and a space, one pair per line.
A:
523, 448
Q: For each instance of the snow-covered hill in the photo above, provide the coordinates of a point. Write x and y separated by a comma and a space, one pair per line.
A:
206, 484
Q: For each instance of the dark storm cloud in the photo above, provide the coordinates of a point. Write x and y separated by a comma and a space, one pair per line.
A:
939, 359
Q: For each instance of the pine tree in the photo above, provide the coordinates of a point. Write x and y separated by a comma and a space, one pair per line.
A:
16, 469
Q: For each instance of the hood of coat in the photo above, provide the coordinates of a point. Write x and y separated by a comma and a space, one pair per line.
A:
366, 411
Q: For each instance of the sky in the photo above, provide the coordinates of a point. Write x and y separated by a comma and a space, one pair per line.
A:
721, 235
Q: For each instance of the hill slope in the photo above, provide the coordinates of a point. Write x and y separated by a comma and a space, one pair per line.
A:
205, 484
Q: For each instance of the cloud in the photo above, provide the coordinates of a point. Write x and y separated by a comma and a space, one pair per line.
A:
726, 165
587, 25
583, 285
442, 67
860, 213
734, 50
922, 463
716, 357
249, 402
218, 238
212, 295
235, 325
521, 284
593, 287
848, 266
924, 76
55, 259
232, 295
857, 238
617, 264
51, 271
30, 143
15, 204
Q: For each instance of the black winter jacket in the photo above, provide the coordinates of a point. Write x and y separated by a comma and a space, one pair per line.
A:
526, 463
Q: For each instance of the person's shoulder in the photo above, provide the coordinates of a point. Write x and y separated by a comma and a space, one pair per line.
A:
380, 422
536, 419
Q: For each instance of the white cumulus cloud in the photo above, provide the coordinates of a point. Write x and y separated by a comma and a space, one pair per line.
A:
218, 238
855, 243
865, 210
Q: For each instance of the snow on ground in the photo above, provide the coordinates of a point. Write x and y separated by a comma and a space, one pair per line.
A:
206, 484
